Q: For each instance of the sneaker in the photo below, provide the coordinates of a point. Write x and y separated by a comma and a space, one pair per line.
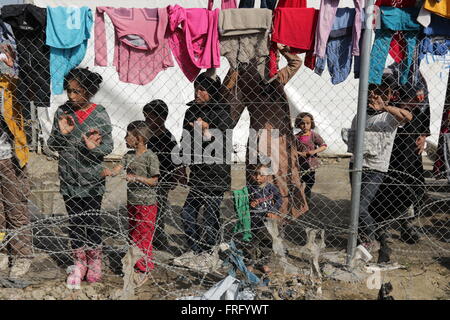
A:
4, 261
94, 259
77, 271
20, 268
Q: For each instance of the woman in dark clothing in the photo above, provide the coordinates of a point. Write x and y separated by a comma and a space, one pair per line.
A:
205, 125
405, 185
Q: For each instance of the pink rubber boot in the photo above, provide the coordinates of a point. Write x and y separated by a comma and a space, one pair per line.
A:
78, 270
94, 258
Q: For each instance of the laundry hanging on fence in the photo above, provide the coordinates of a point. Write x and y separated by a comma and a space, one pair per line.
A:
29, 23
338, 55
226, 4
265, 4
195, 39
438, 26
244, 35
436, 41
141, 42
441, 8
7, 40
294, 27
242, 208
397, 48
291, 4
67, 34
392, 20
396, 3
328, 14
13, 118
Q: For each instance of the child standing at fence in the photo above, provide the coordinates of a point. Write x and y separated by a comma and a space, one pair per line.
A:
265, 203
310, 143
81, 134
163, 143
142, 168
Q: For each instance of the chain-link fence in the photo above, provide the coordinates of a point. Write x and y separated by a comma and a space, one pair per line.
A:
142, 167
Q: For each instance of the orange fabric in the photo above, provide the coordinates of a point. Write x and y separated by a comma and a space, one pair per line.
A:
12, 113
441, 8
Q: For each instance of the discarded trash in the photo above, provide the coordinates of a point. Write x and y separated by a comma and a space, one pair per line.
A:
129, 281
235, 259
13, 283
341, 274
362, 254
337, 257
246, 294
206, 262
277, 242
226, 289
384, 267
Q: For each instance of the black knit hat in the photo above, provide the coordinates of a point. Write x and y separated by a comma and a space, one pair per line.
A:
210, 85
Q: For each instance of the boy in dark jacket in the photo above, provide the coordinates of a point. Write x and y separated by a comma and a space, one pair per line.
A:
162, 143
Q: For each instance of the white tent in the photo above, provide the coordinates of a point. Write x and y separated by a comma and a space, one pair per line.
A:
332, 105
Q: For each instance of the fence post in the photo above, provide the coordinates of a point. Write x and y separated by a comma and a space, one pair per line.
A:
34, 127
360, 127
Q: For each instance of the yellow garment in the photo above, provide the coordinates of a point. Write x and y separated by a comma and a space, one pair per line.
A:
441, 8
12, 113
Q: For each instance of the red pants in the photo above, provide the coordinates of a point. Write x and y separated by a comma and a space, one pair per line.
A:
142, 227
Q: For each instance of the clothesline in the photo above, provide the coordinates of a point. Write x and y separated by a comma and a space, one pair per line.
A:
197, 37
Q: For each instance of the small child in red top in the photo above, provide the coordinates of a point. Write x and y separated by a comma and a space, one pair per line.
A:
310, 144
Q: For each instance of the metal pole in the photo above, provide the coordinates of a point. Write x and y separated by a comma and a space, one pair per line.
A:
34, 129
360, 128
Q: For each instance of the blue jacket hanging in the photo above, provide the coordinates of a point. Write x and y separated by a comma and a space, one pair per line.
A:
68, 31
392, 20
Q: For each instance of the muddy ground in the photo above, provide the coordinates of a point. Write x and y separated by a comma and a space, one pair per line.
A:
424, 273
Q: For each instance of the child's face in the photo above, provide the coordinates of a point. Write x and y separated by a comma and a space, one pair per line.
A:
259, 178
154, 120
384, 92
77, 95
305, 124
131, 140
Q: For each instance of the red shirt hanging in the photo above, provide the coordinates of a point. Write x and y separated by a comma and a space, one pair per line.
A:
296, 28
291, 4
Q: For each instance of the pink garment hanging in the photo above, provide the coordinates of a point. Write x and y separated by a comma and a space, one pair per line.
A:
195, 39
141, 45
226, 4
327, 14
